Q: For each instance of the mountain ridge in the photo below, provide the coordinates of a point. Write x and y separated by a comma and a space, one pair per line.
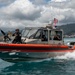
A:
68, 29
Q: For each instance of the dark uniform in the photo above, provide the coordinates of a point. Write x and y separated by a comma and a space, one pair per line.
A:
17, 38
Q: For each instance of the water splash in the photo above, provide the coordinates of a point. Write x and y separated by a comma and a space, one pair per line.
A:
38, 61
67, 56
4, 64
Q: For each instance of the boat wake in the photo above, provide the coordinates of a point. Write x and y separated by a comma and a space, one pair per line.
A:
4, 64
67, 56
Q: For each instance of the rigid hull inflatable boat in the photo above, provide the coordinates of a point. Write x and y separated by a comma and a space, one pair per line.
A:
37, 43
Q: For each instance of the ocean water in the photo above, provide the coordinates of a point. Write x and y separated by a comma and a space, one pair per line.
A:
60, 65
66, 40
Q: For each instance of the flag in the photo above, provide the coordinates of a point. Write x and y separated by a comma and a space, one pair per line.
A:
55, 21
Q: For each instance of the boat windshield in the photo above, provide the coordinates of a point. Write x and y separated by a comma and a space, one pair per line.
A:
29, 32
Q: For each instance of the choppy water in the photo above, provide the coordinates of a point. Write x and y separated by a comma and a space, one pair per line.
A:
64, 65
60, 65
66, 40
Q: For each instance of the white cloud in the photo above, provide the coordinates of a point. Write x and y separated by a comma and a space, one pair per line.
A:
18, 14
63, 11
58, 0
5, 2
22, 9
39, 2
22, 13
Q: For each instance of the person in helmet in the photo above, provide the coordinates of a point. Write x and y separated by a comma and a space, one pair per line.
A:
17, 35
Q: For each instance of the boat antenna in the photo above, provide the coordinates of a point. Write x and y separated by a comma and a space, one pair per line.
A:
2, 32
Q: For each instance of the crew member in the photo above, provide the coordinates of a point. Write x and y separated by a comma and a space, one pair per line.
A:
56, 37
17, 38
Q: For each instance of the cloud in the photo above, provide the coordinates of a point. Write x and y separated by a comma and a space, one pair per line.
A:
40, 2
63, 11
58, 0
22, 9
21, 13
18, 14
5, 2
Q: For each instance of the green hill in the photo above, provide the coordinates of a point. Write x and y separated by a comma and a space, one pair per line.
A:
68, 29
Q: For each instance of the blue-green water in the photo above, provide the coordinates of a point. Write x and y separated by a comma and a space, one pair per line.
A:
48, 67
63, 65
66, 40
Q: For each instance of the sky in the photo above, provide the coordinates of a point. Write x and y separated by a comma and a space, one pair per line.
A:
22, 13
